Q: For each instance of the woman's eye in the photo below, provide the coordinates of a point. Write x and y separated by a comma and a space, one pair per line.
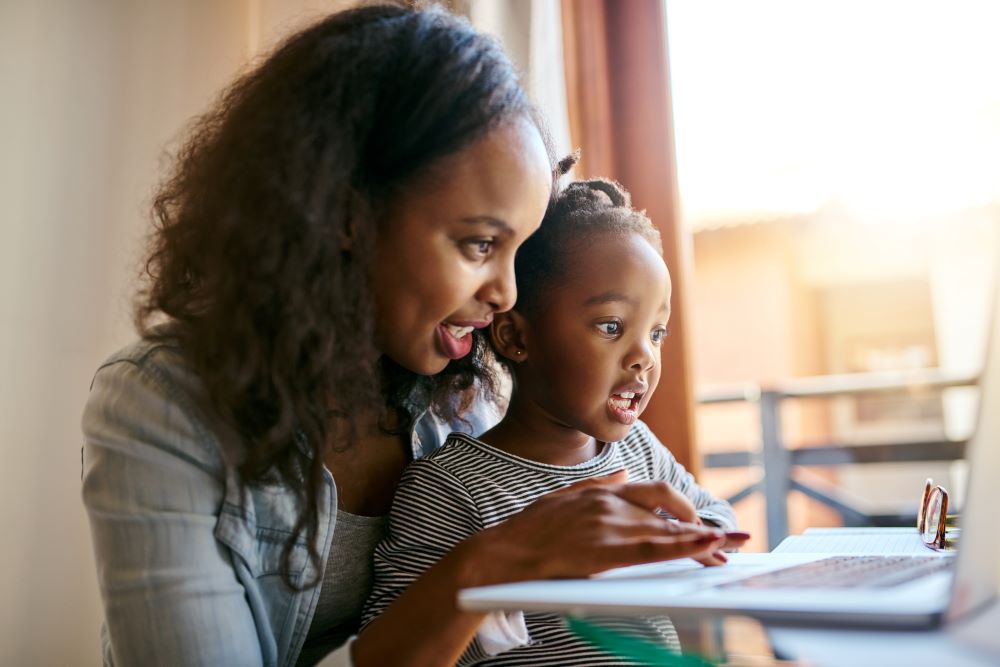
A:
610, 328
480, 248
657, 335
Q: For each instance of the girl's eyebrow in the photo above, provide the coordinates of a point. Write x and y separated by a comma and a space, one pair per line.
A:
496, 223
616, 297
610, 297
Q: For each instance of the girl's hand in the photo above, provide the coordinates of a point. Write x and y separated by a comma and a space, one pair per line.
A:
592, 526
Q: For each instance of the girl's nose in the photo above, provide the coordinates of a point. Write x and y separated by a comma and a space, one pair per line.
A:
642, 356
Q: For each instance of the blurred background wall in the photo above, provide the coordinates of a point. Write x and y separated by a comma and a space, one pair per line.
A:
93, 93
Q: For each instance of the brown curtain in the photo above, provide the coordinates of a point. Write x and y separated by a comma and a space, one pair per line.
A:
618, 95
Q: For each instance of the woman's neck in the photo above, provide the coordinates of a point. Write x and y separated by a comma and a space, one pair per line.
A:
529, 432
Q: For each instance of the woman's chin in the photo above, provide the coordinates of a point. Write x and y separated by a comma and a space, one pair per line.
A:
428, 365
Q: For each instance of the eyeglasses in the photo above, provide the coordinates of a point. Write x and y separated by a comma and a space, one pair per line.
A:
933, 519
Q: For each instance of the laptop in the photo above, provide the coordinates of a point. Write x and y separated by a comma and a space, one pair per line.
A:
939, 586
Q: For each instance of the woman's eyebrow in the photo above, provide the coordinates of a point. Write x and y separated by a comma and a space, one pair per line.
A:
496, 223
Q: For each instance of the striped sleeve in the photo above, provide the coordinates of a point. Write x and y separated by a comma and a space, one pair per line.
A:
668, 468
431, 513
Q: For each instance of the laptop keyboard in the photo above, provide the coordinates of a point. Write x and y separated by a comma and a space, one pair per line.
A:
848, 572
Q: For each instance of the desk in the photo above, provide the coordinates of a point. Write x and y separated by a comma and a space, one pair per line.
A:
973, 642
738, 641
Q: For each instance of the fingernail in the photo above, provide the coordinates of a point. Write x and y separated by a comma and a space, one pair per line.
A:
721, 556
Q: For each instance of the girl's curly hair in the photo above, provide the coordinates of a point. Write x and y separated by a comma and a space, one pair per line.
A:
264, 231
575, 214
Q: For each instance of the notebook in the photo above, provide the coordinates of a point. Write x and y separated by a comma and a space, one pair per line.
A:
944, 587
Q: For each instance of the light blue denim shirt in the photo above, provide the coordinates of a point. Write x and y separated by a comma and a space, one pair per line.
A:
188, 565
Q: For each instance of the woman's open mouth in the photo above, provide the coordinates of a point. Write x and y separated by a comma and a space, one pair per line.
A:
455, 340
625, 406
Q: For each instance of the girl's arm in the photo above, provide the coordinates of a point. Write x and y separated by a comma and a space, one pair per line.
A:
706, 506
588, 528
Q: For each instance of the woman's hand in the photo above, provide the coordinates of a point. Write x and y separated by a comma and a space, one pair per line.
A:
592, 526
677, 505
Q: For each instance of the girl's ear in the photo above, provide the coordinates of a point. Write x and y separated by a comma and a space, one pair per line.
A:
508, 332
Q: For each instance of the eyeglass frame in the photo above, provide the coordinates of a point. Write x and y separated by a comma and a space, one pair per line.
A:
940, 540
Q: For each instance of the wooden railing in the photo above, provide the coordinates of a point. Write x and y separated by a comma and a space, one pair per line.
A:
776, 461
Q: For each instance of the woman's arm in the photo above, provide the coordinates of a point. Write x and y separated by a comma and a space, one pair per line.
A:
171, 596
575, 532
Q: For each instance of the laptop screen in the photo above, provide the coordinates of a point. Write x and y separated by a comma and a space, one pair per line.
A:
977, 575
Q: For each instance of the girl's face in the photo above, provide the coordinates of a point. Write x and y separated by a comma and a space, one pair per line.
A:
593, 350
444, 254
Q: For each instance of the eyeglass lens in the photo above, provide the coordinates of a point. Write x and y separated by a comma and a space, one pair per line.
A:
922, 510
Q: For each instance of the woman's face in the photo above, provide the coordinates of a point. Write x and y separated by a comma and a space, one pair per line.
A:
444, 255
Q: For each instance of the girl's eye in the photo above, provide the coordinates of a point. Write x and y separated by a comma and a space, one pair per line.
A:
610, 328
657, 335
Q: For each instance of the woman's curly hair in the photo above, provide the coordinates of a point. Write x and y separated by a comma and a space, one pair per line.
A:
263, 235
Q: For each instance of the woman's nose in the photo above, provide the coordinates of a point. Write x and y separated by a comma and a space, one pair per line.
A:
500, 292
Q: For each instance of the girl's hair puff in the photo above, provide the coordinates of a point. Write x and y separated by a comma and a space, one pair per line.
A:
576, 215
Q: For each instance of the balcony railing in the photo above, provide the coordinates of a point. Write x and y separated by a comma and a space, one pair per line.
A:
776, 461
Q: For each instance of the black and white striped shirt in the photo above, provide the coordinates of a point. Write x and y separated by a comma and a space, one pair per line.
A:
466, 486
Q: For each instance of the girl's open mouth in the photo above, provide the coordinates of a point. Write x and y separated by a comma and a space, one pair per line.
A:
455, 341
625, 406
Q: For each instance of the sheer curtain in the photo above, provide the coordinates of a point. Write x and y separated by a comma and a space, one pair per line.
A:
531, 32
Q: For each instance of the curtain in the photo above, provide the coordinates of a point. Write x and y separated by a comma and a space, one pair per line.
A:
619, 111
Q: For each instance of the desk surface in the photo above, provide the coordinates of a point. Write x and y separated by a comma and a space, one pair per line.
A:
743, 641
974, 642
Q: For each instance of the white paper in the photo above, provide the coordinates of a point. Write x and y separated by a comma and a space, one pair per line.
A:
879, 541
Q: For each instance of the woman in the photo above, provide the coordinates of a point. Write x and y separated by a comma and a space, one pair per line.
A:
337, 232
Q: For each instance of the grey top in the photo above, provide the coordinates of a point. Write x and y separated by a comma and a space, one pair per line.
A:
346, 583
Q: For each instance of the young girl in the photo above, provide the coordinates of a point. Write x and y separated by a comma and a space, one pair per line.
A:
583, 347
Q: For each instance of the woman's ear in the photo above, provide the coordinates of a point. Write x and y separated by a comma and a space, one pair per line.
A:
508, 332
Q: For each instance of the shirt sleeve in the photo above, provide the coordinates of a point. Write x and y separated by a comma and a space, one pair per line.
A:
710, 508
170, 591
431, 513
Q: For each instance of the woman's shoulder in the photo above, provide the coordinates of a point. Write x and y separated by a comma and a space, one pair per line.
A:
157, 358
146, 392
